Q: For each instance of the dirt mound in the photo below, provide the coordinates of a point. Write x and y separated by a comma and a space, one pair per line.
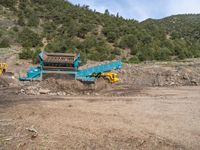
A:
157, 75
53, 86
3, 82
73, 86
8, 81
56, 85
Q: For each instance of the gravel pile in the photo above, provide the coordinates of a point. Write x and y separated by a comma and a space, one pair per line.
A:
156, 75
62, 87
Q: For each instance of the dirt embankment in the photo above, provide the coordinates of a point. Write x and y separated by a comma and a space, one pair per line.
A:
131, 77
160, 75
63, 87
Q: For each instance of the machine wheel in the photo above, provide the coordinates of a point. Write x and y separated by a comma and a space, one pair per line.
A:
4, 71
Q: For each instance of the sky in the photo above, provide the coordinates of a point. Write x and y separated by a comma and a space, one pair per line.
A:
143, 9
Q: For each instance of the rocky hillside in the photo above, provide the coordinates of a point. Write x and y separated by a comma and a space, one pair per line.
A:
59, 26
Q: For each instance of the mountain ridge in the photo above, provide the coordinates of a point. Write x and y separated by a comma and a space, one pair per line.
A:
97, 36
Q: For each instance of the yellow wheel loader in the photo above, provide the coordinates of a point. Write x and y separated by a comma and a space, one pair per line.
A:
4, 72
109, 76
3, 68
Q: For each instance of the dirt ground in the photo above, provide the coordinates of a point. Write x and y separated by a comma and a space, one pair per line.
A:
151, 118
154, 106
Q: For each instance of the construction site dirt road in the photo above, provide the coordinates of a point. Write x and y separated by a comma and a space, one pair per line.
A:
151, 118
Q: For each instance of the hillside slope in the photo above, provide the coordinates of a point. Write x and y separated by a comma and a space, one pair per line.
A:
97, 36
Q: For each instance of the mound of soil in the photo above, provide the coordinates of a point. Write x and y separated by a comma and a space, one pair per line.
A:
53, 86
157, 75
73, 86
8, 81
56, 85
3, 82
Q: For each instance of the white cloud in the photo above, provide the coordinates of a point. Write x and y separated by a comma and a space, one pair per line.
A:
130, 9
184, 6
143, 9
137, 10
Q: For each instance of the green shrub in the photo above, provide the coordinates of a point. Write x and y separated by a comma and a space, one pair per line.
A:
134, 60
35, 56
26, 54
128, 41
4, 43
1, 33
33, 20
15, 28
83, 30
28, 38
83, 58
145, 54
102, 51
61, 45
21, 21
116, 51
8, 3
111, 37
162, 54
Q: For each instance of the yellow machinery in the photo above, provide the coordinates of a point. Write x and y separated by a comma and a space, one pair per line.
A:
4, 72
3, 68
109, 76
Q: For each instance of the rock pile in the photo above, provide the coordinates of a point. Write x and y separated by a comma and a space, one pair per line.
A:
62, 87
156, 75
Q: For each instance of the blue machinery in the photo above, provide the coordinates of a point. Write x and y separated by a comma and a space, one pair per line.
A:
66, 66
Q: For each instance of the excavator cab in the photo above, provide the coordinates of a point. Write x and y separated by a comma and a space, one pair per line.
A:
115, 78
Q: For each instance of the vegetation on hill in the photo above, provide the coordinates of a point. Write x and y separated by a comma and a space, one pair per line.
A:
97, 36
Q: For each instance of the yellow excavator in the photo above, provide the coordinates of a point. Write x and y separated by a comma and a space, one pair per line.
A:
4, 72
108, 76
3, 68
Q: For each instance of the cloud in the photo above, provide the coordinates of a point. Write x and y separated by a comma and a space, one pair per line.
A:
143, 9
184, 6
127, 8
